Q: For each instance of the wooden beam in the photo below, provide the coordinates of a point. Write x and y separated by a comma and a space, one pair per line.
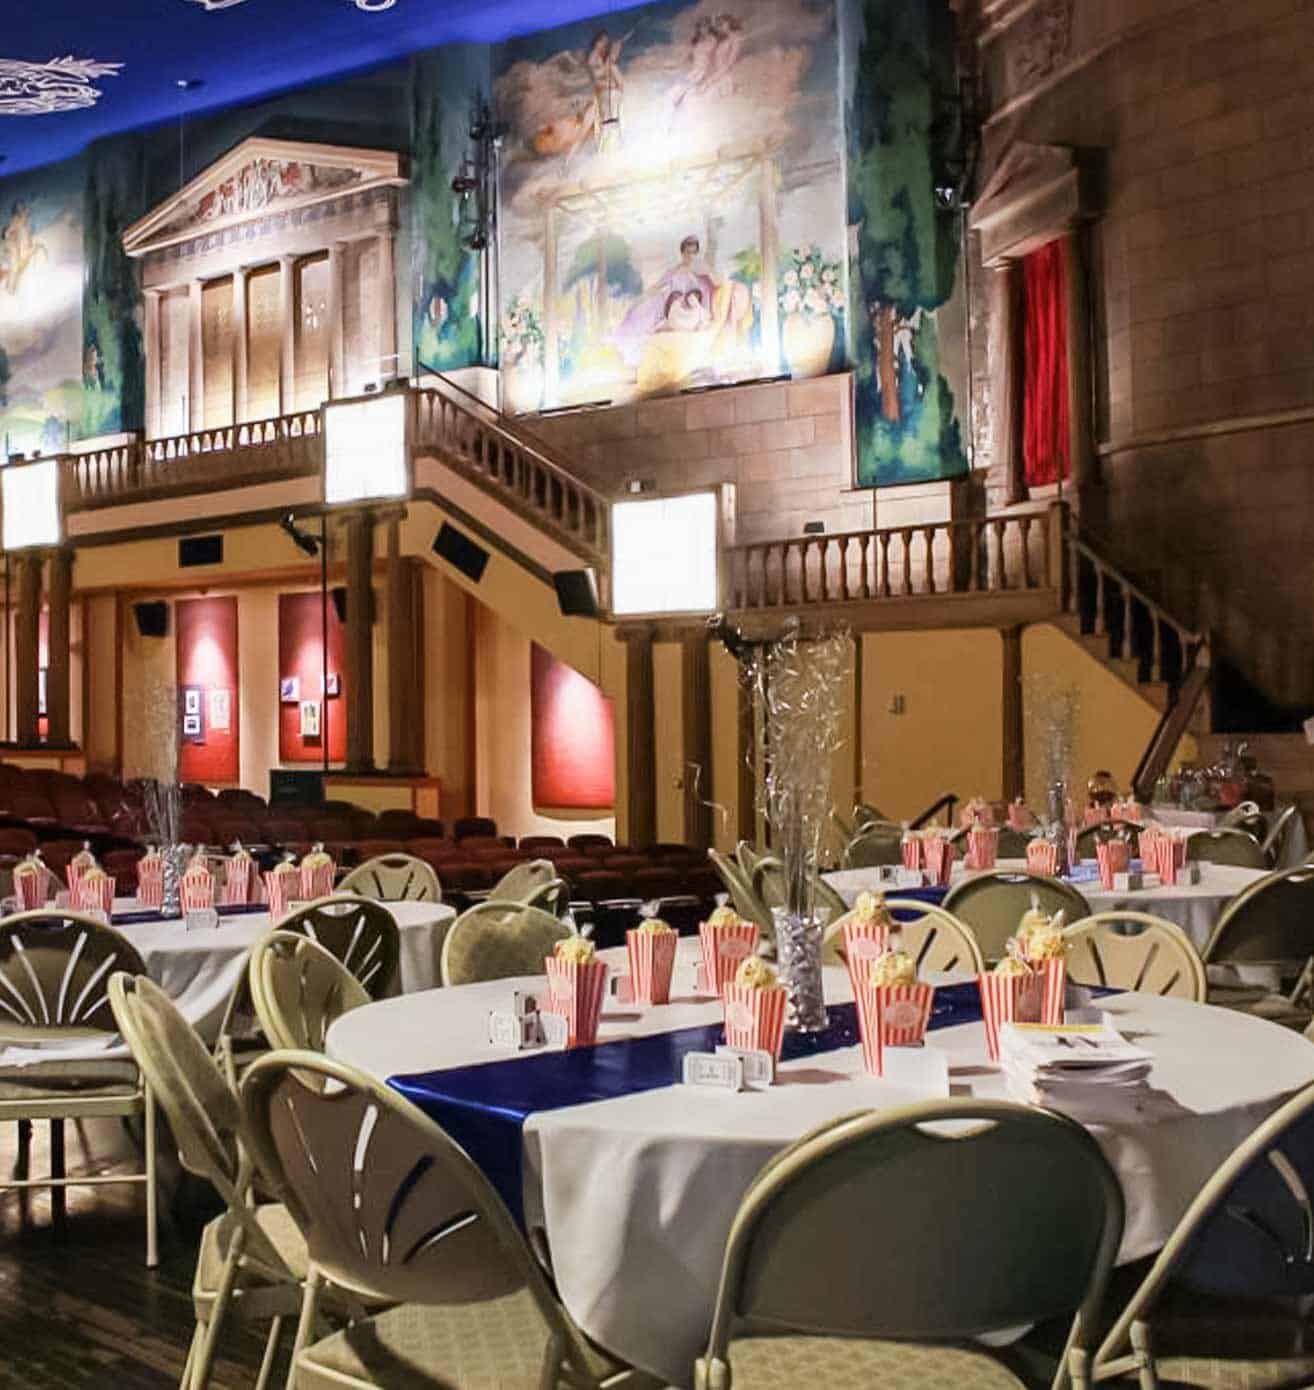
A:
58, 639
1013, 779
696, 774
640, 740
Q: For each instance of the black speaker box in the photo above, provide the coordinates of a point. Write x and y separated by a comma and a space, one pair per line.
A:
152, 619
461, 552
200, 550
577, 593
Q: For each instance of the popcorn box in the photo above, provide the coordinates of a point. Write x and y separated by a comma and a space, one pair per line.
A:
1074, 852
982, 847
1042, 858
575, 991
1114, 857
31, 889
755, 1018
652, 962
1019, 818
94, 895
1094, 815
1053, 973
870, 1002
317, 882
905, 1013
910, 848
863, 942
1169, 857
237, 880
197, 890
150, 883
280, 888
1009, 999
724, 950
939, 861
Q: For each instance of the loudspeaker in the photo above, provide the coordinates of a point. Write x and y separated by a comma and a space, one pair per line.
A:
200, 550
152, 619
339, 597
295, 787
577, 593
461, 552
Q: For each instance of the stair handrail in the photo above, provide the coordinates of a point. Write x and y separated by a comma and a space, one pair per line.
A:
946, 803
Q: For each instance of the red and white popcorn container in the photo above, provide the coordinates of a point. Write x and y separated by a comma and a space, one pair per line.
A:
870, 1001
150, 882
237, 880
1042, 858
862, 943
575, 991
1114, 857
911, 850
281, 885
1095, 815
905, 1013
317, 880
78, 866
197, 889
1169, 857
652, 963
94, 895
1009, 999
1019, 818
31, 884
982, 847
1053, 973
725, 948
755, 1018
939, 861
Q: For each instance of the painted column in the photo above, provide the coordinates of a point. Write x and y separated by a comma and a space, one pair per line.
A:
287, 299
241, 401
640, 739
360, 644
154, 366
27, 648
405, 705
195, 359
337, 333
389, 363
767, 213
59, 650
1006, 377
696, 774
1079, 371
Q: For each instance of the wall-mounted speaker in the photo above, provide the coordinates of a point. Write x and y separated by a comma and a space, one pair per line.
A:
200, 550
339, 597
152, 619
577, 593
460, 552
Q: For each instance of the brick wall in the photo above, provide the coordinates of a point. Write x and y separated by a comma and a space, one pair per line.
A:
1202, 283
786, 446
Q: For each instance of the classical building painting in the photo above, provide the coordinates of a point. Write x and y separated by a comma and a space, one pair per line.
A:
671, 201
41, 267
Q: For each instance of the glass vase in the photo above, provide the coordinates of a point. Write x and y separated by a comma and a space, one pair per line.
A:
798, 948
174, 864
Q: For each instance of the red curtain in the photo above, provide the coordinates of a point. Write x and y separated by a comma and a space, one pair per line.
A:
1045, 441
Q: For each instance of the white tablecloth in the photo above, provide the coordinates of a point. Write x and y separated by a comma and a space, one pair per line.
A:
1295, 845
636, 1195
1195, 907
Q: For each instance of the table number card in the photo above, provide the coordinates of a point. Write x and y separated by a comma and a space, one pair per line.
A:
759, 1066
513, 1031
1128, 882
201, 919
553, 1031
713, 1071
622, 989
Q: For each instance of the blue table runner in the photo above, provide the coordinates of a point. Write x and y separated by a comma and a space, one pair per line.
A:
153, 914
484, 1107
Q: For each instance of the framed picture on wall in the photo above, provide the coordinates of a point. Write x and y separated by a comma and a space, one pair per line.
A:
333, 685
221, 710
193, 730
289, 690
309, 718
192, 700
43, 687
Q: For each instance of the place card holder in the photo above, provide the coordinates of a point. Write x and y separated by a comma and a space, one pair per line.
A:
200, 919
622, 989
759, 1066
713, 1071
512, 1031
1129, 882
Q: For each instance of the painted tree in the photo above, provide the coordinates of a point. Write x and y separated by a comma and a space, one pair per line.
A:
899, 142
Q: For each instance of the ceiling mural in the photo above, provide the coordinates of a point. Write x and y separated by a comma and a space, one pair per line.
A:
42, 89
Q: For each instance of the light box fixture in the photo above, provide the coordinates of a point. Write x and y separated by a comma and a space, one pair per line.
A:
30, 496
665, 555
367, 449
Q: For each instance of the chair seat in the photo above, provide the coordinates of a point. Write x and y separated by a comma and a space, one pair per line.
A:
499, 1344
33, 1090
851, 1363
283, 1233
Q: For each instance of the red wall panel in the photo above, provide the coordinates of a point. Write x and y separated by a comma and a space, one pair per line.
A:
206, 631
300, 648
572, 738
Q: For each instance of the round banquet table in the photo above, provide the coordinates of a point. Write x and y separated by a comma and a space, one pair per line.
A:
636, 1194
1295, 844
1195, 907
198, 969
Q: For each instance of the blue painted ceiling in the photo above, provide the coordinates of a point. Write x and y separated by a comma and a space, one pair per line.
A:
239, 50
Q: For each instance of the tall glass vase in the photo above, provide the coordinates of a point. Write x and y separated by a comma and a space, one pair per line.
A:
174, 862
798, 950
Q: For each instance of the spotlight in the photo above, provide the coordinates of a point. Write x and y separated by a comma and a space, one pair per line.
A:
303, 540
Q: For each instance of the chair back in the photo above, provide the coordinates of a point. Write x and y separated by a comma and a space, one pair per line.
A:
552, 896
519, 884
992, 905
1272, 920
499, 940
1227, 847
1012, 844
769, 888
1153, 957
1276, 839
845, 1233
299, 989
747, 856
394, 878
361, 933
1243, 815
746, 902
1102, 831
389, 1206
934, 938
54, 975
873, 845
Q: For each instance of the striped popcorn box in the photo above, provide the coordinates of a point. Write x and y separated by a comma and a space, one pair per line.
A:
982, 847
1074, 850
237, 880
870, 1002
905, 1014
317, 880
1114, 857
94, 895
197, 889
1094, 815
150, 883
1053, 977
31, 882
863, 942
1170, 856
755, 1018
911, 848
1042, 858
281, 885
1008, 999
1019, 818
939, 861
575, 991
652, 962
725, 948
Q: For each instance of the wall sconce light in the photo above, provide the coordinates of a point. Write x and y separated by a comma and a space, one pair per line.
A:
303, 540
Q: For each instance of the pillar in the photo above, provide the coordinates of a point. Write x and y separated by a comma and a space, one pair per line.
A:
154, 366
287, 302
360, 647
746, 760
1006, 376
59, 646
696, 701
337, 333
389, 362
195, 359
1013, 781
241, 404
405, 705
1080, 376
27, 648
640, 739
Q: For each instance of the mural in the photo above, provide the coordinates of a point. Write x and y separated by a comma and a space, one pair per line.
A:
905, 245
671, 211
41, 260
447, 83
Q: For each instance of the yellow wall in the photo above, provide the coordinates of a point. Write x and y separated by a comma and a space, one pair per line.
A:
724, 671
668, 707
101, 648
257, 667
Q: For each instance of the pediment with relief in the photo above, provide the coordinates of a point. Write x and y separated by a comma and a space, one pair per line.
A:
257, 178
1035, 193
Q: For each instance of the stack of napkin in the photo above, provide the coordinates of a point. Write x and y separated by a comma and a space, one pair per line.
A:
1086, 1070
